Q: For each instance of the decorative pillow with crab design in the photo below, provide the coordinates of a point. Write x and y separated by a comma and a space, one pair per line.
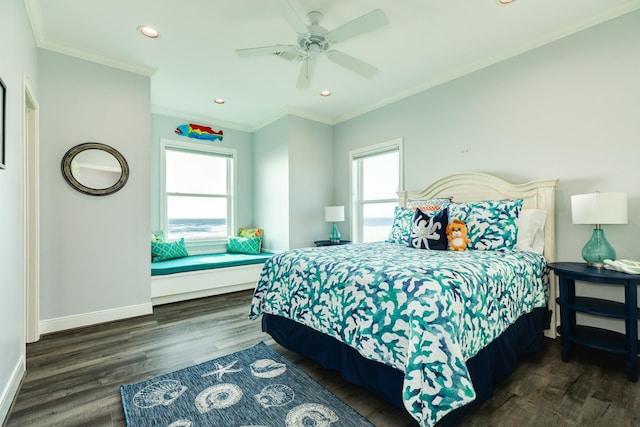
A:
429, 230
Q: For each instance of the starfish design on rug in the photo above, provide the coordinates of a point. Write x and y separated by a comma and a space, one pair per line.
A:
222, 370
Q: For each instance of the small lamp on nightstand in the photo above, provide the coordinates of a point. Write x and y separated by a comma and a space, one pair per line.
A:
334, 214
598, 208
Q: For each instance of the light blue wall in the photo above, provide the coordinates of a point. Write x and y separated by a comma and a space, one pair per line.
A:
310, 164
18, 60
293, 181
95, 250
271, 183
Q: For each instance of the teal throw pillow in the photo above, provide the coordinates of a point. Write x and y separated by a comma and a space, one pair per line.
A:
244, 245
401, 227
162, 251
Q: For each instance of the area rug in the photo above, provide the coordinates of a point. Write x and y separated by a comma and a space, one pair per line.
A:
255, 387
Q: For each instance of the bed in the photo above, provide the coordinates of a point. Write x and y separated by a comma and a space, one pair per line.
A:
427, 330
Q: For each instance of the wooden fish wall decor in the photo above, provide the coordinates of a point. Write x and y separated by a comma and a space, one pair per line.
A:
199, 132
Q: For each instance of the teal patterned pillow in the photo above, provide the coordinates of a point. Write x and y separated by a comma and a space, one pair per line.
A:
492, 224
401, 227
162, 251
244, 245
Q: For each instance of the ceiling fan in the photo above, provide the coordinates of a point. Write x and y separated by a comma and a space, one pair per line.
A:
314, 40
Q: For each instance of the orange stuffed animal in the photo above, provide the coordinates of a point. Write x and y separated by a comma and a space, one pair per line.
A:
457, 235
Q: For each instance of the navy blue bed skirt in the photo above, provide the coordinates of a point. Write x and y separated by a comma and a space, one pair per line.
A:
493, 363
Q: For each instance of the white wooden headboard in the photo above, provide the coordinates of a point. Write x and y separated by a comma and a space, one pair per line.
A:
476, 186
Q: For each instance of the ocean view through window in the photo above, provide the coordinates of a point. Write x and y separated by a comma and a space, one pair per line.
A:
196, 228
198, 191
376, 174
377, 220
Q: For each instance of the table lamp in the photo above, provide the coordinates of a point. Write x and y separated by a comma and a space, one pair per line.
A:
598, 208
334, 214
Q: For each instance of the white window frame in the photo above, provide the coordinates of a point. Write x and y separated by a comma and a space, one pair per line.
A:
356, 201
196, 147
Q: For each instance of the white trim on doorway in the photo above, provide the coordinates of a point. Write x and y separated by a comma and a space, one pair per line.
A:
31, 192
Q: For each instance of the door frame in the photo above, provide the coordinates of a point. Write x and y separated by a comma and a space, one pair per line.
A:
31, 192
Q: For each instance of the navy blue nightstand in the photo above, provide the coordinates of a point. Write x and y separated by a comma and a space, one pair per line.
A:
330, 243
626, 344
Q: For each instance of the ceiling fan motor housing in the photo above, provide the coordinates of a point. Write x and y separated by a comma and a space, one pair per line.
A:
314, 42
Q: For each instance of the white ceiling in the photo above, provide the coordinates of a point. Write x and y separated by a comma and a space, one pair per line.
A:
426, 42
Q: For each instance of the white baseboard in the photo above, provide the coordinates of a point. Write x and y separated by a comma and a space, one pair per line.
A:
12, 388
88, 319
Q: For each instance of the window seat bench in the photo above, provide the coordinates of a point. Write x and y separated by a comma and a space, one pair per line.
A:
198, 276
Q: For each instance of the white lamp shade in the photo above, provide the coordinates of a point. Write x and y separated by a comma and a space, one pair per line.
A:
334, 213
599, 208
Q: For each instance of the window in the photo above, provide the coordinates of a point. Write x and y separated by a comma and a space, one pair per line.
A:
198, 191
376, 176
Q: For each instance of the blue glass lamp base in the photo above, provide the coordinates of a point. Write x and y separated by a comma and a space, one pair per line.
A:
334, 234
598, 249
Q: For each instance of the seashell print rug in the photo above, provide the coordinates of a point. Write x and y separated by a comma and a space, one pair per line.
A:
255, 387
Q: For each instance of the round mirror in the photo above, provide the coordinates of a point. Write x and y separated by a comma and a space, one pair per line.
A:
95, 169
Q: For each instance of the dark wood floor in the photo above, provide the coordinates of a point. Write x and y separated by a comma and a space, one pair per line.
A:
73, 376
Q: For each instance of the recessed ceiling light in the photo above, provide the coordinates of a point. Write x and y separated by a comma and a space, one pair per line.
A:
219, 101
506, 1
325, 93
147, 31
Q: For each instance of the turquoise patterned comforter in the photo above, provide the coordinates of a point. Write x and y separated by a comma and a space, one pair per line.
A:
422, 312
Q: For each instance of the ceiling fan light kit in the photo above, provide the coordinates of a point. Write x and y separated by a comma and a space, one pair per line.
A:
313, 40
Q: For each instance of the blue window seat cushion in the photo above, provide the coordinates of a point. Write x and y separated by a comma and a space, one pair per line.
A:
206, 262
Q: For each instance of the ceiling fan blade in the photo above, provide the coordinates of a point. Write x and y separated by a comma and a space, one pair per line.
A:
291, 16
265, 50
367, 22
306, 73
352, 63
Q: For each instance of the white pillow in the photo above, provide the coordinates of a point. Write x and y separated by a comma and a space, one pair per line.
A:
531, 230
